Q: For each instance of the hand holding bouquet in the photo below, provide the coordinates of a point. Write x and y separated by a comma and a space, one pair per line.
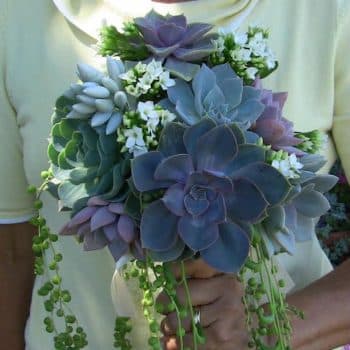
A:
176, 153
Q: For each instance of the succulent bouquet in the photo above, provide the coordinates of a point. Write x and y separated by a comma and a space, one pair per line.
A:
177, 152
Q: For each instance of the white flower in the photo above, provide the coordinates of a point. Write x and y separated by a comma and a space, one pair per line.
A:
149, 114
219, 44
166, 116
240, 38
145, 83
141, 68
270, 58
289, 167
129, 76
134, 141
133, 90
165, 81
154, 69
251, 72
241, 54
258, 45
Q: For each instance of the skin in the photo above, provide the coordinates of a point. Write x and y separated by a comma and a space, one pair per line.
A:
16, 276
326, 304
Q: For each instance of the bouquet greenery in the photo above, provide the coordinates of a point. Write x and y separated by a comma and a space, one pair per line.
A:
175, 151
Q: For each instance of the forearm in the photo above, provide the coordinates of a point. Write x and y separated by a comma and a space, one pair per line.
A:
16, 276
326, 304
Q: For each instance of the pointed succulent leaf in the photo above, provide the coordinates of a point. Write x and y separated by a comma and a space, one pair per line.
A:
192, 134
311, 204
169, 255
196, 233
276, 220
113, 123
246, 154
158, 227
88, 73
70, 193
216, 149
173, 199
246, 203
229, 251
305, 228
323, 183
118, 248
102, 217
268, 180
181, 69
171, 139
143, 168
174, 168
126, 228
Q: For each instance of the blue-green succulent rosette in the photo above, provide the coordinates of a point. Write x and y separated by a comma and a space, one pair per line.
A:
215, 186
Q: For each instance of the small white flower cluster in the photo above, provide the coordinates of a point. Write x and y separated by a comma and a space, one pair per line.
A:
146, 79
288, 165
249, 52
141, 133
314, 141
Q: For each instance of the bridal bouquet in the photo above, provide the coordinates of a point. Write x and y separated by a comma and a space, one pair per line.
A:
175, 151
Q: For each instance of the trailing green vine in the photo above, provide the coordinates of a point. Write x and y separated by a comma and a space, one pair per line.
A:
268, 323
60, 321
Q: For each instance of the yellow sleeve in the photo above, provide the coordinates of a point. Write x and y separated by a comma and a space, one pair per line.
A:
16, 205
341, 123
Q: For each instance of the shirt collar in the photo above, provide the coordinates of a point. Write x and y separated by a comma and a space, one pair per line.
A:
90, 15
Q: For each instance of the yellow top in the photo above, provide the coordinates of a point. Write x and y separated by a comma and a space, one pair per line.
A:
40, 44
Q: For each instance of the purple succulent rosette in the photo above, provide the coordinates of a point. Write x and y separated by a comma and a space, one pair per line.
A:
275, 130
172, 39
215, 186
103, 223
216, 93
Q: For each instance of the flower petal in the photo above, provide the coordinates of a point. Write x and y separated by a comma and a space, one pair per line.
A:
158, 227
229, 251
196, 233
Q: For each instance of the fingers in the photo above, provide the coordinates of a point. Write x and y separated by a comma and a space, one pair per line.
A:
219, 335
208, 316
195, 268
203, 291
